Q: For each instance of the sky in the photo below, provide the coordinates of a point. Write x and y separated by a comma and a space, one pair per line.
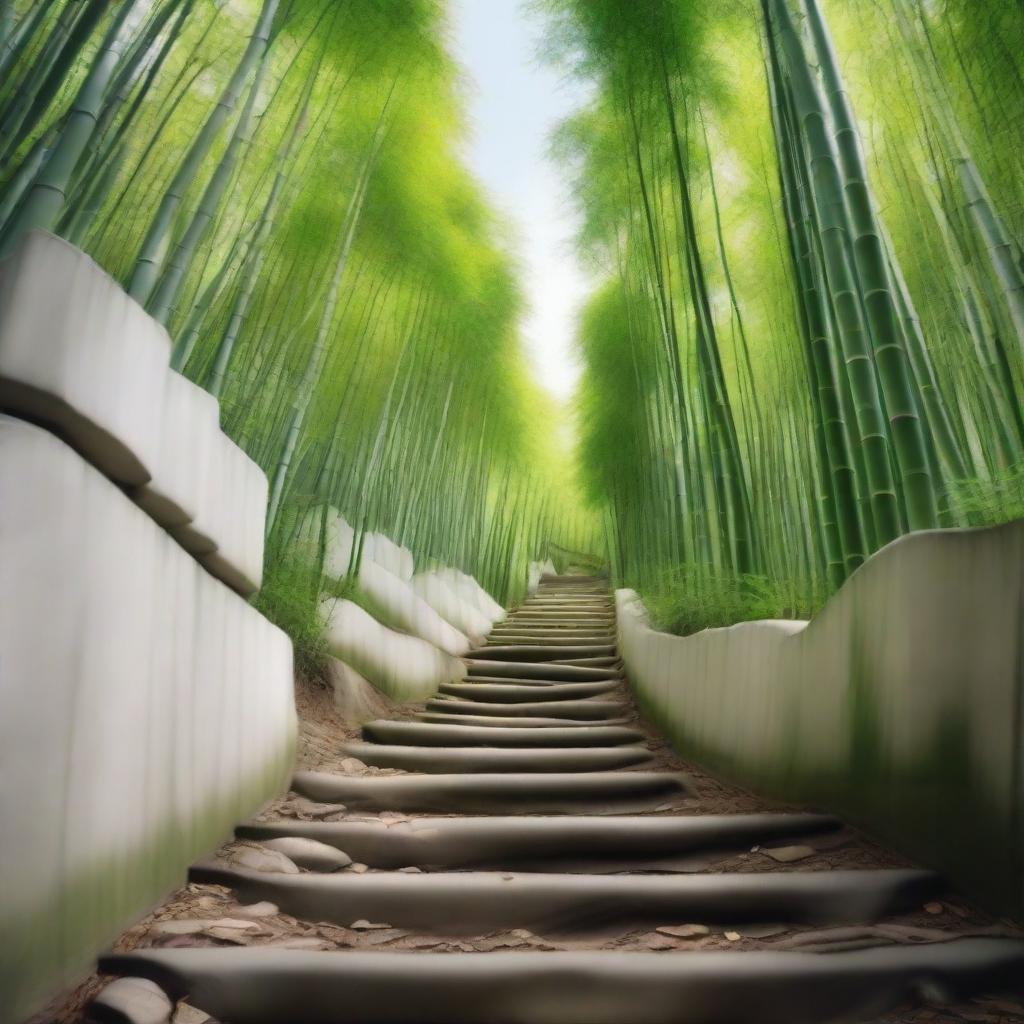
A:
514, 102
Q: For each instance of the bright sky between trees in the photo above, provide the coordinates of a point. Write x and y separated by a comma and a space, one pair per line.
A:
515, 101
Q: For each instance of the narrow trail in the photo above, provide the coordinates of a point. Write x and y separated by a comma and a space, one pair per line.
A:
522, 850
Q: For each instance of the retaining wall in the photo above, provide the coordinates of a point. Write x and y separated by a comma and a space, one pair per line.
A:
144, 708
899, 705
409, 645
144, 705
404, 667
80, 357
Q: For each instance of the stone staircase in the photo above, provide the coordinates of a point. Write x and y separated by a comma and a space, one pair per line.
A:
533, 805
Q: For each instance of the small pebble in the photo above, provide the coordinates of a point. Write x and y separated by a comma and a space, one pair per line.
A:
934, 908
362, 925
684, 931
300, 942
788, 854
232, 935
135, 999
192, 927
309, 853
234, 923
195, 925
257, 910
302, 805
733, 936
184, 1013
259, 858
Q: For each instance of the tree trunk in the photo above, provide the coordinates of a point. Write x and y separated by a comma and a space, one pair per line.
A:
45, 200
153, 251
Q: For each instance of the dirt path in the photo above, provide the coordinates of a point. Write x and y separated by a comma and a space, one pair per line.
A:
504, 874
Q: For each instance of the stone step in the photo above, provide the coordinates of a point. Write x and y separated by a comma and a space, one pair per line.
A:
583, 590
558, 627
588, 622
555, 628
475, 902
538, 652
607, 612
510, 679
497, 722
523, 639
536, 670
567, 611
427, 734
613, 659
586, 709
568, 793
602, 605
440, 760
539, 841
559, 636
599, 587
516, 693
265, 986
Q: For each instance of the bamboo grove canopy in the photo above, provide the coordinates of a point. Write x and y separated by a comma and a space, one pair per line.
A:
278, 182
805, 217
803, 220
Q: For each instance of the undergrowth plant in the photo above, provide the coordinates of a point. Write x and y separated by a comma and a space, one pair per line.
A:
690, 598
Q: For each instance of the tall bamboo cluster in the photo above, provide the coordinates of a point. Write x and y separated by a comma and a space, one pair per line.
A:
808, 340
278, 183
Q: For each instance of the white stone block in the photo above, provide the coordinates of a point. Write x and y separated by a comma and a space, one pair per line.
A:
534, 571
467, 588
80, 356
190, 418
241, 500
402, 608
404, 667
144, 708
324, 523
443, 599
408, 564
386, 553
77, 353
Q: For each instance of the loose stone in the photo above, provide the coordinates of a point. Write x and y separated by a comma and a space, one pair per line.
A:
260, 858
310, 854
788, 854
257, 910
684, 931
137, 1000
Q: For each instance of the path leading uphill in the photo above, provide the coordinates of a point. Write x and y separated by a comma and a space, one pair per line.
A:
522, 851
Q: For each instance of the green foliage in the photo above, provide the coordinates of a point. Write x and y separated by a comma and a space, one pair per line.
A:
348, 293
827, 362
348, 589
290, 599
343, 286
687, 599
985, 502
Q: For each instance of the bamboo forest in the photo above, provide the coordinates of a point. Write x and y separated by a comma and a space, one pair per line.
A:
665, 356
804, 336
